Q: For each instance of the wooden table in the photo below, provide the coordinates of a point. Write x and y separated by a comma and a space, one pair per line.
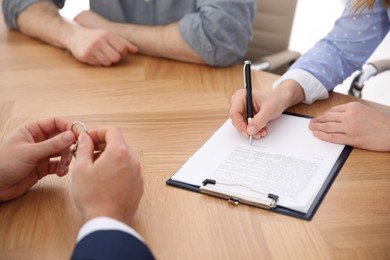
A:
167, 110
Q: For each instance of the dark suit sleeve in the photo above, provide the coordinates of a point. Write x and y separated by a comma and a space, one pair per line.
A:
111, 244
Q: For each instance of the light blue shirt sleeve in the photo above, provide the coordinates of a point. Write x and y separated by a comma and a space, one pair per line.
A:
220, 30
12, 8
344, 50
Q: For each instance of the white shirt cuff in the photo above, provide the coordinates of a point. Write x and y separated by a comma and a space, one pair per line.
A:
105, 223
313, 88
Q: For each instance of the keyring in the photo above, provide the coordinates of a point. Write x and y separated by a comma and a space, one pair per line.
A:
74, 124
75, 145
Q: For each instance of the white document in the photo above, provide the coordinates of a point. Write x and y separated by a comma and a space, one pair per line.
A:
290, 162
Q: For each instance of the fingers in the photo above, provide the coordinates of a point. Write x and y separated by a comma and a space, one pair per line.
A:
326, 118
330, 122
105, 58
237, 112
92, 145
62, 167
122, 46
339, 108
111, 51
108, 55
92, 20
105, 135
329, 116
131, 48
99, 47
46, 128
256, 126
53, 146
85, 149
113, 146
330, 126
103, 55
338, 138
44, 168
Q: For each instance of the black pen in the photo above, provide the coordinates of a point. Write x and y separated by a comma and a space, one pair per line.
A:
248, 87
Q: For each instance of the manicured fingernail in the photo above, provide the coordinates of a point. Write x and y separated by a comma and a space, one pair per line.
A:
252, 130
263, 132
245, 134
257, 137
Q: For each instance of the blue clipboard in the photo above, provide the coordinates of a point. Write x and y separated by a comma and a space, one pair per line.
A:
283, 210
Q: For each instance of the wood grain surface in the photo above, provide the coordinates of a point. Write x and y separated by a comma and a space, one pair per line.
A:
166, 111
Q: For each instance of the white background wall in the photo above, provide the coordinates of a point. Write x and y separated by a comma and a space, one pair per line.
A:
73, 7
313, 19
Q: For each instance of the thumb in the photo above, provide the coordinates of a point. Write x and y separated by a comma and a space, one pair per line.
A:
54, 145
85, 149
258, 122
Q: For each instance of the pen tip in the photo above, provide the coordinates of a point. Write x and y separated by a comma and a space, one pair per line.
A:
250, 140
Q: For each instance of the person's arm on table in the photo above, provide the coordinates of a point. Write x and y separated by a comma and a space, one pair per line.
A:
157, 40
347, 46
343, 51
329, 62
354, 124
27, 155
204, 36
107, 188
41, 20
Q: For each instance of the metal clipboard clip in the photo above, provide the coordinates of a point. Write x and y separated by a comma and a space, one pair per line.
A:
209, 187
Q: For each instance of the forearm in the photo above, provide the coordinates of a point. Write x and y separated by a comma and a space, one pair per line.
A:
161, 41
43, 21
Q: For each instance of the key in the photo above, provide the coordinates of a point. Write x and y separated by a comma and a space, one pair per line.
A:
73, 149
